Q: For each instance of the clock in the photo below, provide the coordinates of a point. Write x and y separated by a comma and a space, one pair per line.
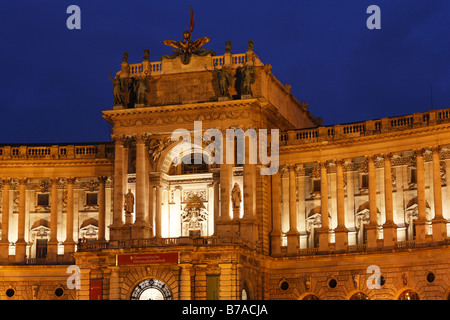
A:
151, 289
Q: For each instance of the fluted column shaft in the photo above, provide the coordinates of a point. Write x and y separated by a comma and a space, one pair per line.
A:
275, 235
292, 234
5, 211
389, 227
439, 223
101, 209
341, 232
118, 182
372, 192
420, 186
158, 191
324, 235
140, 180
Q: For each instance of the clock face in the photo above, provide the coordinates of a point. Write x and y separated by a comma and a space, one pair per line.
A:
151, 289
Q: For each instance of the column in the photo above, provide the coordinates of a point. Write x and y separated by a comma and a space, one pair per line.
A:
4, 244
372, 228
21, 244
140, 180
52, 245
275, 234
216, 186
141, 230
341, 232
101, 209
249, 186
119, 174
292, 234
185, 282
420, 223
389, 227
225, 191
439, 223
158, 191
69, 244
324, 231
301, 201
151, 209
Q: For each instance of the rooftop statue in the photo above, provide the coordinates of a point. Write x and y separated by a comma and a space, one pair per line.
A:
186, 48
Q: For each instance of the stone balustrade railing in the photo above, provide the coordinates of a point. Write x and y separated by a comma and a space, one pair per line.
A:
55, 152
358, 129
155, 68
164, 242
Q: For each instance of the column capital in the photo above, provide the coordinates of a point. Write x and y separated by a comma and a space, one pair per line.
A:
419, 152
387, 155
23, 181
436, 149
323, 163
71, 180
141, 138
102, 179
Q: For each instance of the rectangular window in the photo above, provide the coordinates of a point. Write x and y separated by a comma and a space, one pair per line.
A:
43, 199
364, 181
91, 199
41, 249
316, 185
212, 287
413, 175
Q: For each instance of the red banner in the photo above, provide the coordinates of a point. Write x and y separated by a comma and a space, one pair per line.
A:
96, 290
147, 258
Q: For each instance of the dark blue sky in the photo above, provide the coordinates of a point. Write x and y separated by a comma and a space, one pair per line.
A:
54, 81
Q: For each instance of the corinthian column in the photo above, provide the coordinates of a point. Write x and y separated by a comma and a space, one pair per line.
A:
52, 244
101, 209
372, 228
69, 244
324, 231
389, 227
119, 174
341, 232
140, 228
21, 244
439, 223
420, 223
4, 244
275, 234
292, 234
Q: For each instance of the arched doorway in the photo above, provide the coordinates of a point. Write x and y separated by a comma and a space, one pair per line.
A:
151, 289
408, 294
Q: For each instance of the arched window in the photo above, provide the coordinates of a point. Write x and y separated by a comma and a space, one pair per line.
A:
197, 164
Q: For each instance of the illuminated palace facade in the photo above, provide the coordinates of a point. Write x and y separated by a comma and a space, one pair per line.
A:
355, 211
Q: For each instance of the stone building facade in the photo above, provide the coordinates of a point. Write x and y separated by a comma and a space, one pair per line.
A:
354, 211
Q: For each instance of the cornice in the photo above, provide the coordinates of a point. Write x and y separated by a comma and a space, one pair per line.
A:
111, 114
382, 137
34, 162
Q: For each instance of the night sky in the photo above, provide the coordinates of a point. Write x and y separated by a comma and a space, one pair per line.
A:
54, 81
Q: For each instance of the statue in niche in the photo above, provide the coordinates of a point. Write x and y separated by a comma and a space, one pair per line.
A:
129, 202
224, 78
248, 78
236, 196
